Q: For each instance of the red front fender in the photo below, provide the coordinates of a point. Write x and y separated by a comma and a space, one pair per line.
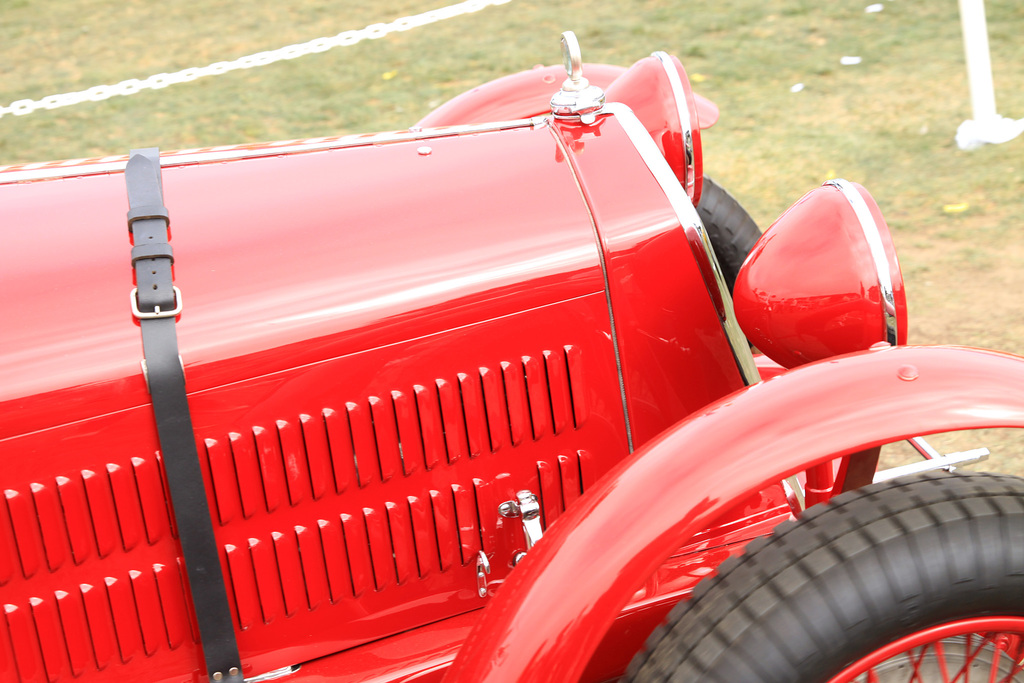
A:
528, 93
547, 620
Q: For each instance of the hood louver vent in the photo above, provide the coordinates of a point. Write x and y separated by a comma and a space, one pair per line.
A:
113, 620
396, 434
75, 518
363, 446
346, 507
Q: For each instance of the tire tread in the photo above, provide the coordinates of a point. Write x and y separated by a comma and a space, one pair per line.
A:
874, 543
730, 228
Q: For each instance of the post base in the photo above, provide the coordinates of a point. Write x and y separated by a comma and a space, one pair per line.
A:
972, 133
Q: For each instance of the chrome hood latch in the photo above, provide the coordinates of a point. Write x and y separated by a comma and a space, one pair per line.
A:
527, 508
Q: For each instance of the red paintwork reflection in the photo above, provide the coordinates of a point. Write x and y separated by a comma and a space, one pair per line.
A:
283, 261
766, 367
809, 289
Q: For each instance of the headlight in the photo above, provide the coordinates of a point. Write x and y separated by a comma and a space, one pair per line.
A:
823, 279
657, 90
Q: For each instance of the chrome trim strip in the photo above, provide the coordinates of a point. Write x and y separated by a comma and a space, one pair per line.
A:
683, 111
274, 675
687, 215
607, 286
83, 167
874, 240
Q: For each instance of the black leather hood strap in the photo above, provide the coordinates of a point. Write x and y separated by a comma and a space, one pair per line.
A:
156, 303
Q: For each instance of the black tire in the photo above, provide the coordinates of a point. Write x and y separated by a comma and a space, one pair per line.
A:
731, 229
867, 569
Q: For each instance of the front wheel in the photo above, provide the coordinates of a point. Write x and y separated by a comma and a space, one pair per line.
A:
920, 580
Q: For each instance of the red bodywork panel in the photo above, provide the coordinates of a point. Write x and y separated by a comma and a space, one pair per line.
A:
383, 340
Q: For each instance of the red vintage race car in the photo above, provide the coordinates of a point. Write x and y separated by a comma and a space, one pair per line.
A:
474, 402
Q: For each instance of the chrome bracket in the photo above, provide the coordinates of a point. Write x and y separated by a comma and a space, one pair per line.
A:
483, 568
274, 675
527, 508
795, 495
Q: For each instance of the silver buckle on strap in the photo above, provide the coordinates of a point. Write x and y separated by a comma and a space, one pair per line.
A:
157, 313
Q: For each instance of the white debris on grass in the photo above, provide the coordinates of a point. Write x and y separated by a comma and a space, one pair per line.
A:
872, 9
849, 60
797, 87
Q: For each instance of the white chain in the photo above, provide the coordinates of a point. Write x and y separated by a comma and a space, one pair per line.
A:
157, 81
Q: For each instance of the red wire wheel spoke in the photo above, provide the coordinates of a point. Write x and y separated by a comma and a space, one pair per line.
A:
976, 650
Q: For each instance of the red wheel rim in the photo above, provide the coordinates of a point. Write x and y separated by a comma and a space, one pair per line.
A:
979, 650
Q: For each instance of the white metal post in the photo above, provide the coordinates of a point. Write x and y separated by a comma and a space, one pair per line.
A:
979, 62
987, 126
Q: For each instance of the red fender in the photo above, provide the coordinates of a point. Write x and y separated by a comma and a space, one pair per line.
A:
547, 620
527, 94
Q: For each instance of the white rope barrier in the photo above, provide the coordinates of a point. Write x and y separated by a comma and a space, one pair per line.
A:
162, 80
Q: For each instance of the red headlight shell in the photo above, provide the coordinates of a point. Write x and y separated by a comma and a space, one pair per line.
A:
823, 279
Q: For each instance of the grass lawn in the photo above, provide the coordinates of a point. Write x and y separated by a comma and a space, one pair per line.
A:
887, 122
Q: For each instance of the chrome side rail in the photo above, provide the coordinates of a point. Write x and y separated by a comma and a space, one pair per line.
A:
19, 173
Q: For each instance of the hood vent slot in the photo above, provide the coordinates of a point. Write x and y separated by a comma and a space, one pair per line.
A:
354, 553
386, 530
397, 433
71, 519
